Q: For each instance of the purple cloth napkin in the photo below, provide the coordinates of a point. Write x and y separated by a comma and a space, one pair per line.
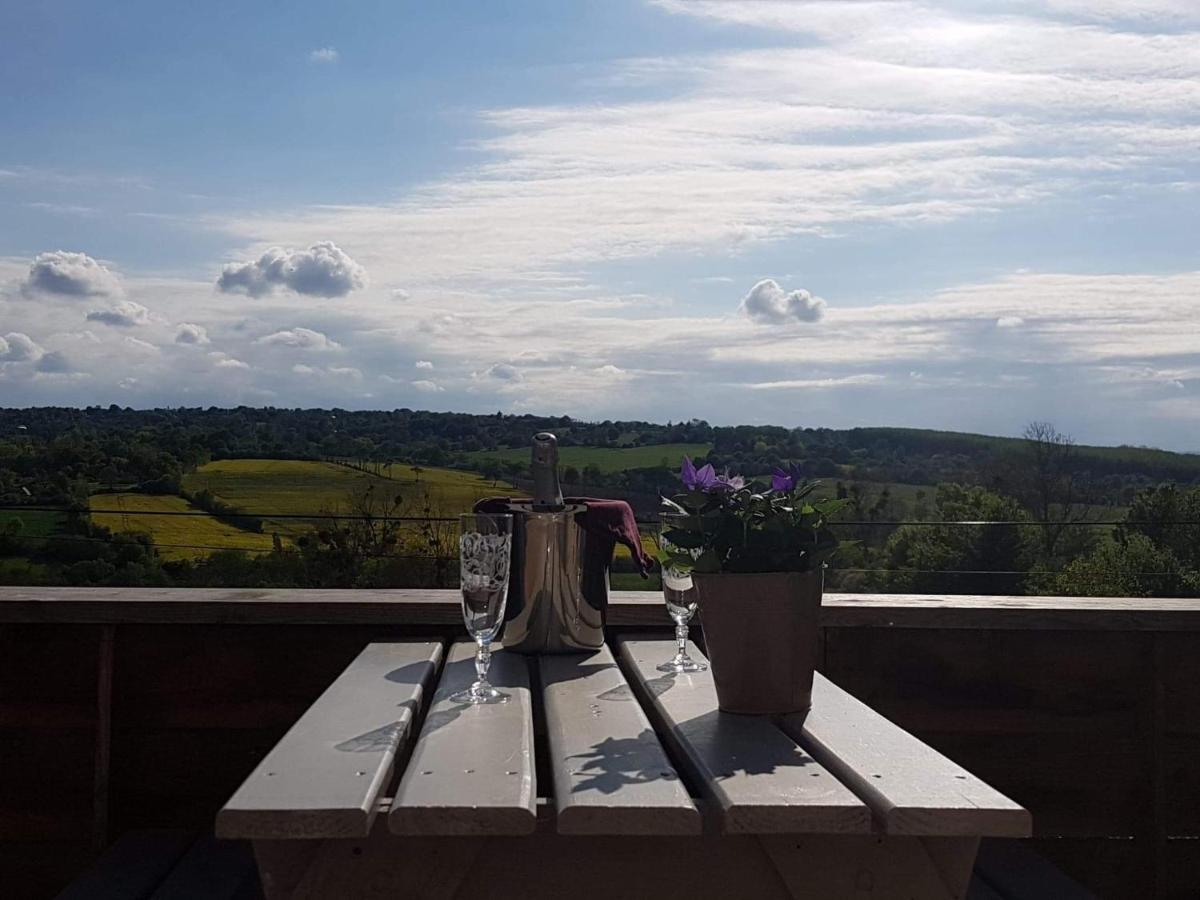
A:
611, 521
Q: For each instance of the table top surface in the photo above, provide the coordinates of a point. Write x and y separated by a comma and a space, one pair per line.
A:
596, 743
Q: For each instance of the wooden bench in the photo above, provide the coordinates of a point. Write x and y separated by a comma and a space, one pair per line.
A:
602, 778
168, 864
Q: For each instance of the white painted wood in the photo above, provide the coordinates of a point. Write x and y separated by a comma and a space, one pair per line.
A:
911, 788
759, 781
471, 772
323, 778
611, 775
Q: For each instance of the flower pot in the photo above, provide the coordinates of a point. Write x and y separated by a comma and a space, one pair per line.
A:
761, 632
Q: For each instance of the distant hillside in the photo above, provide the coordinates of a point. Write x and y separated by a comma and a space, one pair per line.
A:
62, 455
1163, 464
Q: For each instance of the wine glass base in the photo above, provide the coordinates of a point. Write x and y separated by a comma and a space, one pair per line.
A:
480, 696
684, 665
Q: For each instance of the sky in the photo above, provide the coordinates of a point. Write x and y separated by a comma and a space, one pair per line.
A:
964, 215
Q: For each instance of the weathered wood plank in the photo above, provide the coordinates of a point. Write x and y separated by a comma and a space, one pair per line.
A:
893, 867
755, 775
910, 787
232, 606
133, 867
323, 778
212, 870
472, 769
1012, 612
611, 775
412, 606
1014, 870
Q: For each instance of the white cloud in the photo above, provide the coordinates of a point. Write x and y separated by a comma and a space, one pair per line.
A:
938, 112
224, 361
139, 345
1009, 322
122, 314
323, 270
767, 302
20, 347
423, 364
299, 339
55, 363
503, 372
427, 387
349, 372
816, 383
70, 274
187, 333
324, 56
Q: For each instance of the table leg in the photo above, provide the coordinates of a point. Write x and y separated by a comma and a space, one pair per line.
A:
873, 866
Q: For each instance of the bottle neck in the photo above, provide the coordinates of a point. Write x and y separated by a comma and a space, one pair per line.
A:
547, 494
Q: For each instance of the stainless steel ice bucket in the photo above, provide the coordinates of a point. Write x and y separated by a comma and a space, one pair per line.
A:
558, 583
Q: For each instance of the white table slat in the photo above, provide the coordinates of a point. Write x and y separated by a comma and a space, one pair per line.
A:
323, 778
611, 774
911, 788
758, 780
471, 772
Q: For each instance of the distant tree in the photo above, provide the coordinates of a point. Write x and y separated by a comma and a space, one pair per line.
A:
957, 558
417, 470
570, 475
1132, 566
1168, 515
1051, 485
491, 470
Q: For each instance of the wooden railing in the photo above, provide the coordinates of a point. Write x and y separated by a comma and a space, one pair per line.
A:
123, 708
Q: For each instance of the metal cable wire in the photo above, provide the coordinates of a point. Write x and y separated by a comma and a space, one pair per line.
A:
857, 523
835, 569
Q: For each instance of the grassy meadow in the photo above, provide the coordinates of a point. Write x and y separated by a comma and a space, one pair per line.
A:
33, 523
177, 537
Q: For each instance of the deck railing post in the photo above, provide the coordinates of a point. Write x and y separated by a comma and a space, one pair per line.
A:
103, 755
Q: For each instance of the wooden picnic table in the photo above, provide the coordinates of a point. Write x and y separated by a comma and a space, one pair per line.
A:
602, 778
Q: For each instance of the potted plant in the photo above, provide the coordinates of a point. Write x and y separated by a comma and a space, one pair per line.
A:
756, 554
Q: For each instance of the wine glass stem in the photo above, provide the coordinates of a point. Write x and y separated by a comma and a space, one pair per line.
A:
681, 636
483, 660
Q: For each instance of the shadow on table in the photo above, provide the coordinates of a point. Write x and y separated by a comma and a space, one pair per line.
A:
614, 763
739, 741
384, 738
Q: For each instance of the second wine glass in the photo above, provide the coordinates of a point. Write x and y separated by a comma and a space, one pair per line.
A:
484, 552
680, 594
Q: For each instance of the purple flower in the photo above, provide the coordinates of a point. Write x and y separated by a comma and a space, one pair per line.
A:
707, 479
734, 483
784, 480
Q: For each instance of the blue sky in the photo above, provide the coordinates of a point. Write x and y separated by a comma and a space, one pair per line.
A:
940, 214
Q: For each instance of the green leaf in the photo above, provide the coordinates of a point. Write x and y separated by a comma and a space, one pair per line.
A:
685, 539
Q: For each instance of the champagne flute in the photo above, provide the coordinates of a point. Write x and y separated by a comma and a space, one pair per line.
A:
484, 551
680, 595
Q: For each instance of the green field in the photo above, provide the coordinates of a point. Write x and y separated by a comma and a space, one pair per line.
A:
35, 523
261, 487
177, 537
607, 459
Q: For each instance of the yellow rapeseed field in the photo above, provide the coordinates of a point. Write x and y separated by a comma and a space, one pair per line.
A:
177, 537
